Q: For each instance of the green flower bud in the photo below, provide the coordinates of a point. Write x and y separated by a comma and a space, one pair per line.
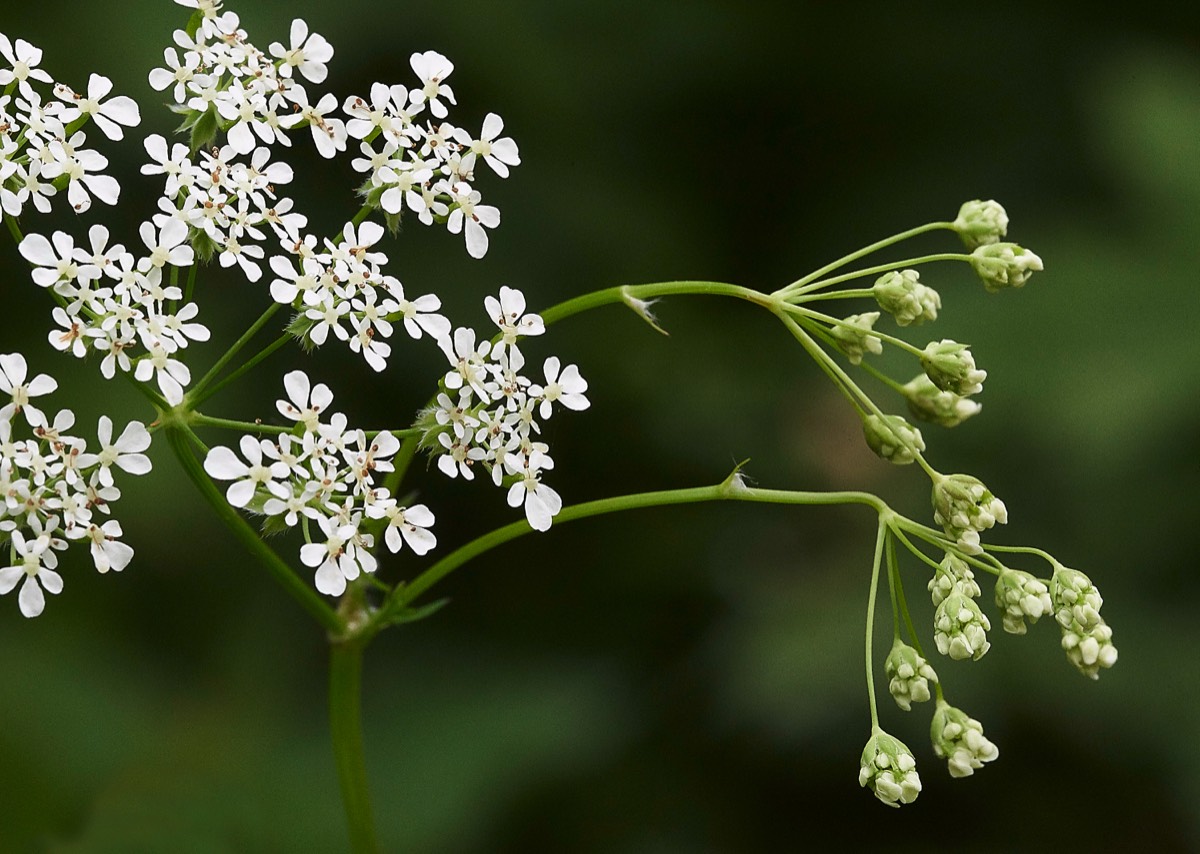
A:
959, 739
909, 675
889, 769
855, 339
1019, 596
929, 403
893, 438
960, 628
1004, 265
953, 575
1086, 638
901, 294
964, 507
951, 367
980, 223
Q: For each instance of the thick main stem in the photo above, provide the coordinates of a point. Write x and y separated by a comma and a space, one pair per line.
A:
345, 724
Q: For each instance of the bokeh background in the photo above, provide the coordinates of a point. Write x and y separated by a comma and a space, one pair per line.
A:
686, 679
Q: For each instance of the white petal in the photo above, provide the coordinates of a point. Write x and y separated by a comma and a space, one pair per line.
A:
31, 599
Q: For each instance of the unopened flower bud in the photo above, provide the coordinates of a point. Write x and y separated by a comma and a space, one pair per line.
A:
964, 507
855, 338
901, 294
951, 367
1019, 596
960, 628
953, 575
1086, 638
893, 438
889, 769
1004, 265
909, 675
980, 223
929, 403
959, 739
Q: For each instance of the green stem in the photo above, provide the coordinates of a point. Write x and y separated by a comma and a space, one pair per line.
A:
194, 397
191, 282
793, 291
628, 294
874, 247
197, 399
857, 293
835, 321
880, 538
731, 489
201, 420
893, 583
345, 724
13, 228
178, 435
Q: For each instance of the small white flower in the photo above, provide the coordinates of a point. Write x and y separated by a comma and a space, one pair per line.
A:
171, 374
37, 568
125, 453
175, 73
472, 218
55, 262
166, 247
541, 502
497, 153
13, 373
305, 401
108, 552
508, 313
333, 559
222, 464
410, 525
109, 116
567, 388
433, 69
23, 59
307, 54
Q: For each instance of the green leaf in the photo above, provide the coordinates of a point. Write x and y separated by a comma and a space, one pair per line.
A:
205, 128
411, 615
193, 24
203, 244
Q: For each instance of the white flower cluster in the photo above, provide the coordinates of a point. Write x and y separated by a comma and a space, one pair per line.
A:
489, 413
322, 476
1021, 597
889, 769
42, 148
343, 291
953, 575
1086, 637
901, 294
52, 487
959, 739
113, 302
909, 675
960, 627
965, 508
929, 403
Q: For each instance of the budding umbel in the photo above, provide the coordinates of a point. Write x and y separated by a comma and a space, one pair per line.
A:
893, 438
951, 367
964, 507
1004, 265
909, 675
981, 223
854, 338
1086, 638
889, 769
1021, 596
901, 294
958, 738
927, 402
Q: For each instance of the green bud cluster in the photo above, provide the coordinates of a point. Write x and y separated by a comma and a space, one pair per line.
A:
1020, 596
853, 336
981, 223
964, 507
893, 438
953, 575
959, 739
1086, 638
929, 403
909, 675
960, 628
889, 769
1004, 265
951, 367
901, 294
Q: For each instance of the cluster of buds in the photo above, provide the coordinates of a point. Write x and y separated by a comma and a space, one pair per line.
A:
893, 438
909, 675
929, 403
953, 575
901, 294
951, 367
853, 336
959, 739
1004, 265
1021, 597
1086, 638
981, 223
960, 628
889, 770
53, 490
964, 507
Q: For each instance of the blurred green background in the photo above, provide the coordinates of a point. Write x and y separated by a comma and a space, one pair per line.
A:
686, 679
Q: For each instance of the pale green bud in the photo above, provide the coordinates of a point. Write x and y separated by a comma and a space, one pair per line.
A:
953, 575
889, 769
855, 338
893, 438
980, 223
1086, 638
959, 739
909, 675
960, 628
1020, 596
1004, 265
964, 507
901, 294
929, 403
951, 367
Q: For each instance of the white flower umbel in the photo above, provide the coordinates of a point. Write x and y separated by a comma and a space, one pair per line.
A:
964, 507
888, 769
960, 628
953, 575
929, 403
951, 367
893, 439
959, 739
909, 675
853, 336
901, 294
1004, 265
1020, 596
1086, 637
981, 223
